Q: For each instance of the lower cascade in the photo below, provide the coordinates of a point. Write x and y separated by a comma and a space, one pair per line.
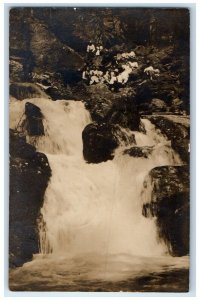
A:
94, 211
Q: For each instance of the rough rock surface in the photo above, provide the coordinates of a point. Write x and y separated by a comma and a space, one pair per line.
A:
98, 143
48, 51
124, 113
177, 133
139, 151
158, 105
29, 175
16, 69
26, 90
34, 47
112, 108
169, 203
33, 124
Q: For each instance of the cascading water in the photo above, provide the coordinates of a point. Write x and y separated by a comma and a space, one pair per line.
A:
92, 213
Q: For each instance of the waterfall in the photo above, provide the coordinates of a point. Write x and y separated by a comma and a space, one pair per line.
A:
94, 208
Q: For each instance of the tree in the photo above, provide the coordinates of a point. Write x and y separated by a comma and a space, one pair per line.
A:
100, 26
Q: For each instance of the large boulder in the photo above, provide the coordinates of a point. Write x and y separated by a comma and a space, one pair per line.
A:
98, 99
99, 143
34, 120
18, 146
29, 176
169, 203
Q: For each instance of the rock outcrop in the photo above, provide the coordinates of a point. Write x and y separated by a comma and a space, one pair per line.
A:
34, 47
29, 176
33, 124
177, 133
169, 203
99, 143
112, 108
124, 113
48, 51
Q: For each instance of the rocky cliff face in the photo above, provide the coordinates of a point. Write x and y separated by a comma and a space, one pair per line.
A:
169, 203
33, 47
29, 176
49, 53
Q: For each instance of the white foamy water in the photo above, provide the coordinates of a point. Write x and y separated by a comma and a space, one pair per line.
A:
92, 213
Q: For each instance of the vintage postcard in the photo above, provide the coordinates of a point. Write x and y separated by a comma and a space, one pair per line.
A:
99, 149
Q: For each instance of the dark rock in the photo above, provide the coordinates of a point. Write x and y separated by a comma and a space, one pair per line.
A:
16, 70
34, 120
19, 147
173, 81
173, 219
49, 52
34, 47
124, 113
177, 105
141, 50
54, 93
60, 84
26, 90
55, 84
166, 59
29, 176
134, 75
169, 203
109, 107
161, 88
145, 91
98, 100
32, 111
170, 179
177, 133
98, 143
139, 151
122, 136
158, 105
70, 76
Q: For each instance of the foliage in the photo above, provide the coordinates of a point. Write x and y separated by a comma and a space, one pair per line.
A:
100, 26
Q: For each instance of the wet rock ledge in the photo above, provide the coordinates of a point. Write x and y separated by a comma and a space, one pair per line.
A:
178, 133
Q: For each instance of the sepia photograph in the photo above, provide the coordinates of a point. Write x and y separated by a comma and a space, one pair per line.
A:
99, 144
